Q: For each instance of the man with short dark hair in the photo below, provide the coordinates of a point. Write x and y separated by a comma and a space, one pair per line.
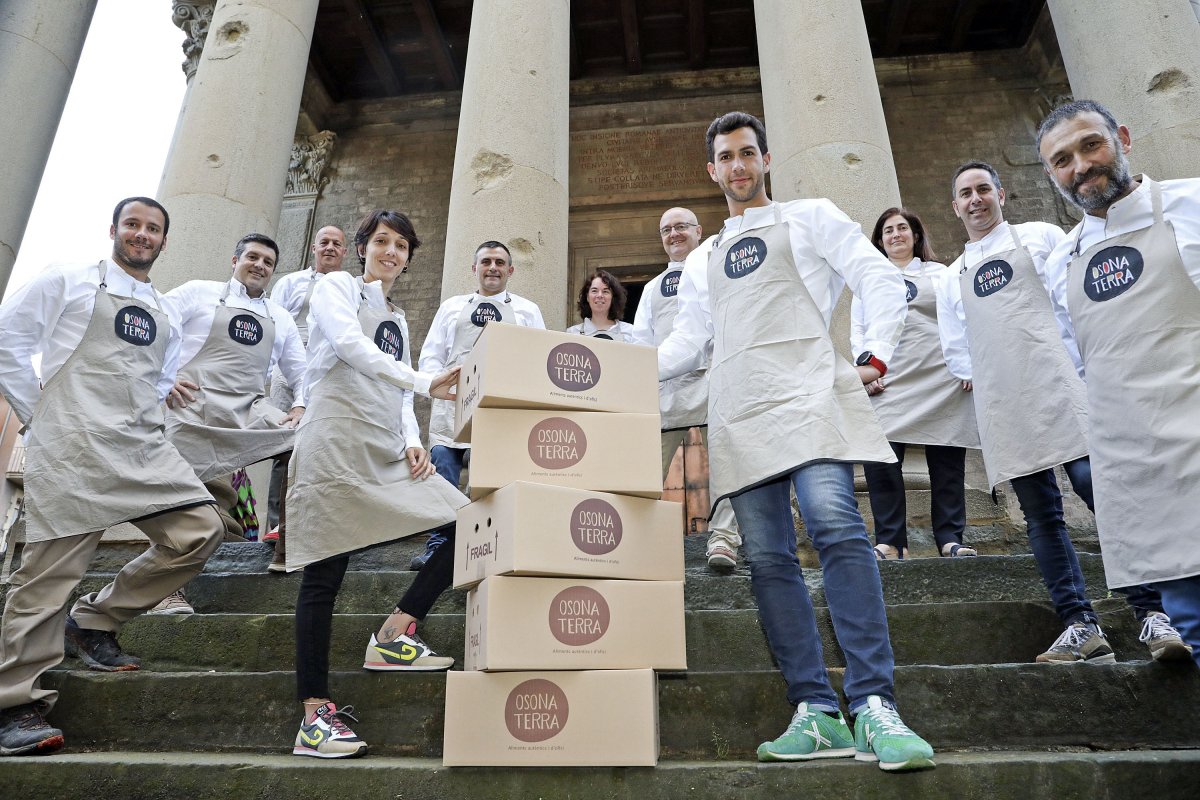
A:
787, 412
456, 326
683, 401
1128, 275
96, 455
1030, 401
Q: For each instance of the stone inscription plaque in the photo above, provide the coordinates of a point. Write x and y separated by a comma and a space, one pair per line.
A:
659, 162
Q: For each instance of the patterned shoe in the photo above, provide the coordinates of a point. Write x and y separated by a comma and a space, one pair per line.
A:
323, 734
880, 735
407, 653
810, 735
1163, 640
1081, 641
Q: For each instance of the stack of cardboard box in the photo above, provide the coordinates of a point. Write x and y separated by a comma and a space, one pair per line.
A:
574, 567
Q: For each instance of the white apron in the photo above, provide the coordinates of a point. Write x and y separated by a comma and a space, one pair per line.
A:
683, 400
349, 485
97, 453
924, 403
1030, 402
780, 396
478, 312
1137, 319
230, 424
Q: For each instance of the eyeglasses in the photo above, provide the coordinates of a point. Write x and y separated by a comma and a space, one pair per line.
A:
678, 227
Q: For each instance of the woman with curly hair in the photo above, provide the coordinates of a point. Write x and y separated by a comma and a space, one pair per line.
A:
601, 304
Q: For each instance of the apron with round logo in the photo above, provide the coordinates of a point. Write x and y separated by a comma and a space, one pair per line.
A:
683, 400
478, 312
1137, 318
1030, 403
924, 403
349, 484
780, 396
230, 424
96, 452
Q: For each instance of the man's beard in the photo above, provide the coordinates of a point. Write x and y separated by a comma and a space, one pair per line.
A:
1119, 180
124, 253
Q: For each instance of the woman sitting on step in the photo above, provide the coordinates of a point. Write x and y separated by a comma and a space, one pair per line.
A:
359, 476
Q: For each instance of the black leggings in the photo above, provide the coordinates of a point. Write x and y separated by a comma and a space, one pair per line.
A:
319, 587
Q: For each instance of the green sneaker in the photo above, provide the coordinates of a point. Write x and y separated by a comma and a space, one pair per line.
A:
880, 735
811, 734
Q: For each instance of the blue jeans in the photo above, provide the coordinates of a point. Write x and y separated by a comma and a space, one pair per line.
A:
1181, 599
825, 494
448, 461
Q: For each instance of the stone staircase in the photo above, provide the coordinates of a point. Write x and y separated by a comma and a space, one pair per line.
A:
211, 714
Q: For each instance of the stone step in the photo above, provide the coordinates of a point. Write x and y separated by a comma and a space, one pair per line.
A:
938, 633
1158, 774
702, 715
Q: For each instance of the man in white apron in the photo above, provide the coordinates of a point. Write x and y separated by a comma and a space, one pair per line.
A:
456, 326
786, 412
233, 334
1128, 274
96, 455
1030, 402
682, 401
293, 291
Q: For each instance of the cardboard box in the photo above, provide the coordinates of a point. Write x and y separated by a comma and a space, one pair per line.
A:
606, 718
580, 449
534, 529
516, 367
574, 623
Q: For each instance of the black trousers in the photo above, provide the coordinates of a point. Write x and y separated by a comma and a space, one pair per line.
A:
885, 486
319, 587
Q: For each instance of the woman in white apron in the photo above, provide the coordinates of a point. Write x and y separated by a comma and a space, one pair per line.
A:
919, 402
601, 304
359, 476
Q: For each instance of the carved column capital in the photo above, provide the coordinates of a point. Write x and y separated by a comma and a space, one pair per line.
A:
193, 17
310, 154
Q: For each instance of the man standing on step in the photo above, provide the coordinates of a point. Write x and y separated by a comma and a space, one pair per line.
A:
1128, 274
786, 412
293, 291
1030, 402
96, 455
233, 334
455, 327
682, 401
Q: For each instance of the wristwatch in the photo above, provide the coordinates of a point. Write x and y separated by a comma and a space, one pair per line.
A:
868, 359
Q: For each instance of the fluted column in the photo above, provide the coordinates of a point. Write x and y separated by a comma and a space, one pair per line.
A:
510, 162
1142, 60
40, 43
228, 165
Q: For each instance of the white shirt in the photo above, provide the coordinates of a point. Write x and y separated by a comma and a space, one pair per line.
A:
830, 252
50, 314
1181, 207
336, 334
194, 304
290, 289
621, 331
435, 353
916, 268
643, 319
1039, 239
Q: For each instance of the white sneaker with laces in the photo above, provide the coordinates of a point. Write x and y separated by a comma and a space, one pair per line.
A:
1163, 640
175, 603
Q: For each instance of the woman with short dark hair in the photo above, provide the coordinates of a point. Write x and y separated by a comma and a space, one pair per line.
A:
601, 304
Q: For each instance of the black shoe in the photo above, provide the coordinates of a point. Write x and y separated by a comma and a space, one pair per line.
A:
24, 731
98, 649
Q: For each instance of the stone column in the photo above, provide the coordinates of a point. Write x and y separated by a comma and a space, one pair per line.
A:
825, 124
1142, 60
228, 165
40, 43
510, 163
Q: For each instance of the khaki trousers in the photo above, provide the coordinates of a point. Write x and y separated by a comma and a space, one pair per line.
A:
31, 634
722, 528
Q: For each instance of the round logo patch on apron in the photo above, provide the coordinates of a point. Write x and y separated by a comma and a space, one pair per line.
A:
245, 329
573, 367
557, 443
483, 314
745, 257
135, 325
1112, 272
910, 291
389, 339
670, 284
992, 277
536, 710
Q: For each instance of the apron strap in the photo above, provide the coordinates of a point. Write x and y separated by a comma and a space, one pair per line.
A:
778, 212
1156, 201
1016, 239
224, 293
103, 267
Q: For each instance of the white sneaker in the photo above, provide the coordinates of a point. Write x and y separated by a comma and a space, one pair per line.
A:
323, 734
174, 603
1163, 640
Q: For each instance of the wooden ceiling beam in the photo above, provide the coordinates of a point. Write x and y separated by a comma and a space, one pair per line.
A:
960, 27
435, 39
696, 40
368, 34
897, 20
633, 46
